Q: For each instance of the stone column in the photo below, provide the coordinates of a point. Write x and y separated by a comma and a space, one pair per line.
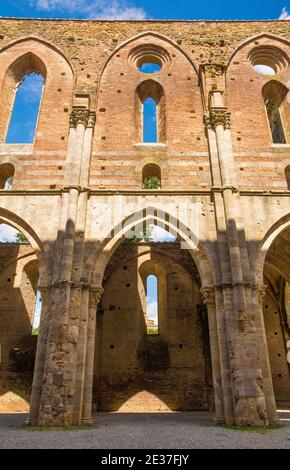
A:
94, 298
245, 376
208, 298
39, 358
258, 294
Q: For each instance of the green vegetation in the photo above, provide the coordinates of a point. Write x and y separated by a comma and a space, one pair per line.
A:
20, 238
152, 331
145, 235
250, 428
151, 182
35, 331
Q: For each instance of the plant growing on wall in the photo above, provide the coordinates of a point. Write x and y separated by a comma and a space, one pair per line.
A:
151, 182
20, 238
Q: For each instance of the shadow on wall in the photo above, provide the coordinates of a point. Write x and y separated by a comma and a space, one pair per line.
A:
152, 372
175, 369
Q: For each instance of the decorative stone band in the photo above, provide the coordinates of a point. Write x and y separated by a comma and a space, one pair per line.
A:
208, 292
217, 116
80, 189
82, 116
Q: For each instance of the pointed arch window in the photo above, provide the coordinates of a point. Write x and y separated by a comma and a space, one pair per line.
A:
152, 305
150, 113
24, 115
22, 92
149, 121
274, 94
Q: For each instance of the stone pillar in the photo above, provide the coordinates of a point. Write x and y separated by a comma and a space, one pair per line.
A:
258, 294
208, 298
94, 298
39, 358
243, 374
59, 385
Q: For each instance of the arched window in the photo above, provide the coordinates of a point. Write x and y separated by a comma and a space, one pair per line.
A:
274, 94
152, 305
36, 314
6, 175
151, 176
150, 112
287, 176
149, 121
25, 111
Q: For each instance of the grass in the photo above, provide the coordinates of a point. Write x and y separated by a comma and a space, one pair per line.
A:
251, 428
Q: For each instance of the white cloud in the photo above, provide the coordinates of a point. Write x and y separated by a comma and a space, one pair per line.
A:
7, 233
161, 235
98, 9
284, 14
152, 311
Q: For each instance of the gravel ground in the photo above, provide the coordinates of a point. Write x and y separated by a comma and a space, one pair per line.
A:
194, 430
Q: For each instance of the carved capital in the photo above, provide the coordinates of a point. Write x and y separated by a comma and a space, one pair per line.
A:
206, 121
79, 116
261, 291
208, 295
220, 116
95, 296
92, 119
213, 70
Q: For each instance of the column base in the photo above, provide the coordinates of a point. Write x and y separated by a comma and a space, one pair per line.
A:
219, 420
87, 422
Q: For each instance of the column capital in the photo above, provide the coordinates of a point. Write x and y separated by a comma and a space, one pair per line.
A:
208, 295
261, 291
79, 116
91, 119
96, 293
220, 116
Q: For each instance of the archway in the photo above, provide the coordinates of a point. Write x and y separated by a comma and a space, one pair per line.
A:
20, 310
170, 370
276, 307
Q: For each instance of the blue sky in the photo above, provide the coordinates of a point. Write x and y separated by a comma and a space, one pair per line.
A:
141, 9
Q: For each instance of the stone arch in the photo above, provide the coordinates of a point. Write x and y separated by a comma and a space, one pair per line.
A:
274, 271
256, 38
263, 50
265, 244
19, 224
42, 41
121, 75
127, 343
153, 215
155, 35
34, 55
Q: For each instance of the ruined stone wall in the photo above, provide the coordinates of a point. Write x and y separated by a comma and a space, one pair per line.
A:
277, 338
172, 365
18, 280
74, 57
